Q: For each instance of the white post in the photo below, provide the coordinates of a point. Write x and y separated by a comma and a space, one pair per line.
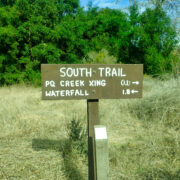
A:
101, 152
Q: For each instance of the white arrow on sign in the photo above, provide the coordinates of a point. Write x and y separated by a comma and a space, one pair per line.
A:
135, 82
134, 91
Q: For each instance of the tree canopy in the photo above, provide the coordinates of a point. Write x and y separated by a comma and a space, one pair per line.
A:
33, 32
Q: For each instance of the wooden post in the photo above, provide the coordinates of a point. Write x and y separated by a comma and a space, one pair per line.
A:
101, 153
93, 119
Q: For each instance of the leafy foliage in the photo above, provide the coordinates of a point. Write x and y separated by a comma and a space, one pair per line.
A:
35, 32
102, 57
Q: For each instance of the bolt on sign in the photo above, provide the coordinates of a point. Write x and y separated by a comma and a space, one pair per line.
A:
75, 81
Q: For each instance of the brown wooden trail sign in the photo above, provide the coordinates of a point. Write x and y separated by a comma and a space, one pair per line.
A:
73, 81
91, 82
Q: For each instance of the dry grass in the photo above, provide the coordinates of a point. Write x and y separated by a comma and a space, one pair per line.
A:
144, 134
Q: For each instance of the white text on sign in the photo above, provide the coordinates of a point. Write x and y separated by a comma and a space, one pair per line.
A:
88, 72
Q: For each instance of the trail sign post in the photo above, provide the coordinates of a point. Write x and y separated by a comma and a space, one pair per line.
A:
91, 82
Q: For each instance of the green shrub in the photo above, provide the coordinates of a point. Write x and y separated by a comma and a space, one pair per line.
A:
77, 135
101, 57
154, 62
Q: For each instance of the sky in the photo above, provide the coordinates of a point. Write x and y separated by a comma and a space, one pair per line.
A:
106, 3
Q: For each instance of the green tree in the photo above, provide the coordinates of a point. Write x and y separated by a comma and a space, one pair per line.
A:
36, 35
69, 39
9, 68
109, 29
136, 53
157, 33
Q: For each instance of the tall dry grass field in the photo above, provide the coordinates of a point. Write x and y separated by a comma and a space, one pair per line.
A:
143, 135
